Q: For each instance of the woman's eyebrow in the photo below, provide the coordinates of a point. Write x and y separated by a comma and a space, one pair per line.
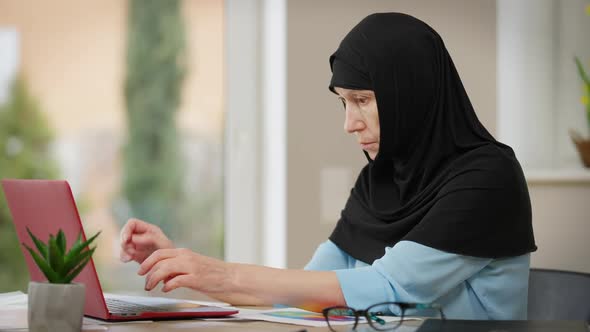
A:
361, 94
355, 94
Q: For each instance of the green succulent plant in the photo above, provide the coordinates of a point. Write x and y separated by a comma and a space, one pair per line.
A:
586, 82
59, 266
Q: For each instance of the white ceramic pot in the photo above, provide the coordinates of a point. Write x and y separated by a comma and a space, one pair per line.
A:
55, 307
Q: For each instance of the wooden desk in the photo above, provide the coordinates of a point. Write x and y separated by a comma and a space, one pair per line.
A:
191, 325
244, 327
227, 327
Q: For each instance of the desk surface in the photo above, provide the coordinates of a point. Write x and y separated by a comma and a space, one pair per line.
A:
218, 327
191, 325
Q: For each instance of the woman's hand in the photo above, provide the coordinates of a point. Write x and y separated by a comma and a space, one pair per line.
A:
140, 239
241, 284
184, 268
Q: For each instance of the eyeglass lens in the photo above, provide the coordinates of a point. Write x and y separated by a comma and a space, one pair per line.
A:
379, 321
341, 319
337, 318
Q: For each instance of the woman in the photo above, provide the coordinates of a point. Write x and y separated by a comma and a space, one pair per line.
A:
440, 213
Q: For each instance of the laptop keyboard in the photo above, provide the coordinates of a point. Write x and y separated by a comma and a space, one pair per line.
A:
117, 306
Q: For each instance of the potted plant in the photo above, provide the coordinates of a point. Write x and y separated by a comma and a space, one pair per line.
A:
583, 144
58, 305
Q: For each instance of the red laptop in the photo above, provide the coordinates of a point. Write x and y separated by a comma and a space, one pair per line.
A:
45, 206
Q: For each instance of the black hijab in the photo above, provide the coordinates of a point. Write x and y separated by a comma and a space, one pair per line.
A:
440, 179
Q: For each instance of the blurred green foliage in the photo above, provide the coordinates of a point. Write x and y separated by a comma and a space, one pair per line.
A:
24, 153
153, 169
585, 99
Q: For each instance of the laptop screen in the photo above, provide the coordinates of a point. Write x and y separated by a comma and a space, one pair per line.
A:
45, 207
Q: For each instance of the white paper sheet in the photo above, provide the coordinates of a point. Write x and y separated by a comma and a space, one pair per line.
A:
13, 313
13, 298
16, 319
299, 317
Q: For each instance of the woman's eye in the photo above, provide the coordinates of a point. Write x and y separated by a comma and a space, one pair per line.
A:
362, 101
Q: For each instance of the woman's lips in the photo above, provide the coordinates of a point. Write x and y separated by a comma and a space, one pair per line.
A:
369, 146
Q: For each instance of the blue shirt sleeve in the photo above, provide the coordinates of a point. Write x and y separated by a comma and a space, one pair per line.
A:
467, 287
329, 257
408, 272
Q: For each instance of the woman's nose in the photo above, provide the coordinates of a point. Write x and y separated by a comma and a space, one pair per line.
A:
352, 121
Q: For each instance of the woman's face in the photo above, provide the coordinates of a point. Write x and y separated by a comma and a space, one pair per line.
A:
362, 118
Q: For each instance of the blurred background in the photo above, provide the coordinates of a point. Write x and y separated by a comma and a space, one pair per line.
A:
125, 101
212, 118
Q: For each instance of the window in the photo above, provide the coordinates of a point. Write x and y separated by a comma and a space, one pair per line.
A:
74, 60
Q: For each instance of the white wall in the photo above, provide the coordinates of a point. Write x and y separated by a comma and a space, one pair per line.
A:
561, 215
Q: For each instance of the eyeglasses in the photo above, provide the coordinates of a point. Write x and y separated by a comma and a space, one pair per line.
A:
338, 316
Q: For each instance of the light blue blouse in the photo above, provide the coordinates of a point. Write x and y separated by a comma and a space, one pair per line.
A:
466, 287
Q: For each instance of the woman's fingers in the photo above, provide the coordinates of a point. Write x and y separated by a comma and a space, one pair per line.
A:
157, 256
201, 273
133, 226
139, 239
127, 254
141, 246
181, 280
143, 240
164, 270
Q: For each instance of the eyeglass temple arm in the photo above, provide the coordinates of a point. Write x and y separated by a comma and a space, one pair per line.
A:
426, 306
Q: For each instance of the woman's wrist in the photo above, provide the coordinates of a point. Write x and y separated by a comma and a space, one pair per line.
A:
233, 278
165, 243
238, 288
268, 286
